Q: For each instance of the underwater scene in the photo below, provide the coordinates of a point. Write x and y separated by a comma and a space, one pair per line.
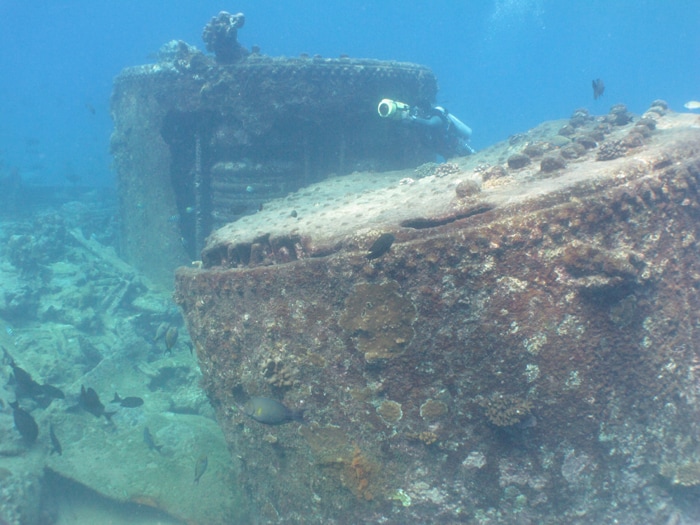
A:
350, 262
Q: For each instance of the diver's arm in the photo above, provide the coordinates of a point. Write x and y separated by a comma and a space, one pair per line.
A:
433, 122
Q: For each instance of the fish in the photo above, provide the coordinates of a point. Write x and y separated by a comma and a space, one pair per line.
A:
200, 467
148, 439
90, 402
692, 104
598, 88
380, 246
127, 402
270, 411
52, 392
55, 443
160, 332
24, 423
170, 338
25, 386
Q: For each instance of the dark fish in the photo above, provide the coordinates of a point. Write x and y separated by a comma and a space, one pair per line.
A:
160, 332
24, 423
127, 402
52, 391
25, 386
271, 412
148, 439
72, 177
55, 444
200, 467
380, 246
90, 401
171, 338
598, 88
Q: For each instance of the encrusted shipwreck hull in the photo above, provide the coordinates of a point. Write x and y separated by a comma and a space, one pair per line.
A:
198, 144
524, 353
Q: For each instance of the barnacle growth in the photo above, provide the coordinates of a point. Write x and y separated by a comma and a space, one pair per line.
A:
427, 437
354, 468
390, 411
279, 374
358, 475
505, 410
432, 409
445, 169
379, 319
436, 170
684, 475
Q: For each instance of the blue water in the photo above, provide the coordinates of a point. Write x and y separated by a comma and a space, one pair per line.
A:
502, 65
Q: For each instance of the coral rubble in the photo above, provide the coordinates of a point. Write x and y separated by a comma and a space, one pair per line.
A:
72, 313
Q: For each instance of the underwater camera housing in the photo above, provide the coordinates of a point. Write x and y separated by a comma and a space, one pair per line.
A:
393, 109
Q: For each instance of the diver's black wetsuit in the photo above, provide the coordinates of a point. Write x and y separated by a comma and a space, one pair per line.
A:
445, 133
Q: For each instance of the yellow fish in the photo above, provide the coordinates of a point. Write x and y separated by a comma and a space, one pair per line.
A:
170, 338
693, 104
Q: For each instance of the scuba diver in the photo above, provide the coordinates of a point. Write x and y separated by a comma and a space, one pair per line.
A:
444, 132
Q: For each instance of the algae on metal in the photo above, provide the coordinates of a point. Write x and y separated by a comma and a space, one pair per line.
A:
572, 293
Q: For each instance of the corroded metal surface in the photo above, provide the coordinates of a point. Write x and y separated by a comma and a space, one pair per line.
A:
534, 362
198, 144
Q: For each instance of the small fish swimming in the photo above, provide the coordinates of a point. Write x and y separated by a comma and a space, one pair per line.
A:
148, 439
200, 467
90, 402
598, 88
270, 411
127, 402
380, 246
160, 332
692, 104
24, 423
55, 444
170, 338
